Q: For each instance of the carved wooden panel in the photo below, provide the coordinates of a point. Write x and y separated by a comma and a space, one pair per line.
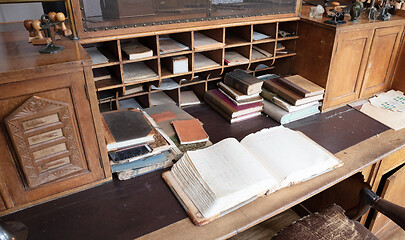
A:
46, 143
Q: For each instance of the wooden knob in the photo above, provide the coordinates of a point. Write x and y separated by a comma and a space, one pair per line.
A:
52, 16
335, 4
36, 24
60, 17
28, 25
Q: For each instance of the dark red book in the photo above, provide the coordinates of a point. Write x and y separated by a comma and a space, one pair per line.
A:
227, 106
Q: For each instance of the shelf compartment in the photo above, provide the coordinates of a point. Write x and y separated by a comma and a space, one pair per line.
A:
290, 27
140, 72
237, 56
201, 44
263, 51
178, 43
287, 50
208, 60
269, 29
238, 36
167, 66
149, 42
103, 53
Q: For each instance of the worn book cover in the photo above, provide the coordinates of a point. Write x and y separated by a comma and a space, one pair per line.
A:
190, 131
302, 86
231, 109
287, 94
235, 94
284, 117
126, 128
243, 82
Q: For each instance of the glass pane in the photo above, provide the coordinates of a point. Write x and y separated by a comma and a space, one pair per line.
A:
110, 14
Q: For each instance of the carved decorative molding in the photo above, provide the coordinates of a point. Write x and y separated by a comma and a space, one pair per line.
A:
50, 133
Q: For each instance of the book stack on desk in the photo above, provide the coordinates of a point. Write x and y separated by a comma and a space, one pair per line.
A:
237, 98
134, 145
291, 98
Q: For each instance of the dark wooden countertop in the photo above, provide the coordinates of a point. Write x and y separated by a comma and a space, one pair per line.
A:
144, 206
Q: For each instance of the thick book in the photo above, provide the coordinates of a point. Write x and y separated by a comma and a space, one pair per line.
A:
302, 86
125, 128
243, 82
287, 94
136, 51
284, 117
242, 102
190, 131
235, 94
131, 173
218, 179
226, 105
229, 118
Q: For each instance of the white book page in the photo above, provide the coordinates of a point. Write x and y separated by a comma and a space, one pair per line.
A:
289, 155
227, 168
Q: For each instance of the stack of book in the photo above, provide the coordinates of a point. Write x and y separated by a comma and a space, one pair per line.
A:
291, 98
237, 98
134, 145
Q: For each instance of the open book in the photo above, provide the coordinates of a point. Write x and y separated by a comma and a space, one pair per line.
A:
220, 178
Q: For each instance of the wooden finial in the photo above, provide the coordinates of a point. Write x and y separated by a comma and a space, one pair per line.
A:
30, 29
60, 17
36, 24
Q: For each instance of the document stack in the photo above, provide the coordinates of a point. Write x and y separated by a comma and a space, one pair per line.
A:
134, 145
237, 98
291, 98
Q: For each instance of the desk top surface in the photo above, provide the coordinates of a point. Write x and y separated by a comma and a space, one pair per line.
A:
144, 206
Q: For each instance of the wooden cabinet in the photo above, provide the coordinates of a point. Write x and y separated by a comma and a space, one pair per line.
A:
350, 61
50, 140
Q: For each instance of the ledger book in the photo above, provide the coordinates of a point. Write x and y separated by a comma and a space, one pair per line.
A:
225, 175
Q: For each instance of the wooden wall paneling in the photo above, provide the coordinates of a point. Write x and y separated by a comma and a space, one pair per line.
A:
382, 58
394, 190
398, 82
349, 59
314, 41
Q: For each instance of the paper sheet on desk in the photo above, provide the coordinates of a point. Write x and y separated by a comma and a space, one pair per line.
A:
394, 120
391, 100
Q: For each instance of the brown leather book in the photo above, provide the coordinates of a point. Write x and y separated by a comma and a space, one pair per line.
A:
302, 86
190, 131
243, 82
287, 94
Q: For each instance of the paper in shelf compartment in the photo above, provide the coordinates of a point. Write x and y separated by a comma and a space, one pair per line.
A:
203, 42
169, 45
96, 56
137, 71
136, 50
234, 58
202, 62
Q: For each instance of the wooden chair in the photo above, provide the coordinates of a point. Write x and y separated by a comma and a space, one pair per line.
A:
332, 223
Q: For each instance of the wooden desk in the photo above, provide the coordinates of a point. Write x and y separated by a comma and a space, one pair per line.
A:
144, 207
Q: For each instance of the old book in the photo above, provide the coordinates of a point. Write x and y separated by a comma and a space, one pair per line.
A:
130, 152
290, 108
96, 56
231, 109
137, 71
124, 128
235, 94
232, 119
242, 102
284, 117
243, 82
165, 114
131, 173
202, 42
178, 64
218, 179
201, 62
234, 58
136, 51
287, 94
144, 162
168, 45
302, 86
190, 131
